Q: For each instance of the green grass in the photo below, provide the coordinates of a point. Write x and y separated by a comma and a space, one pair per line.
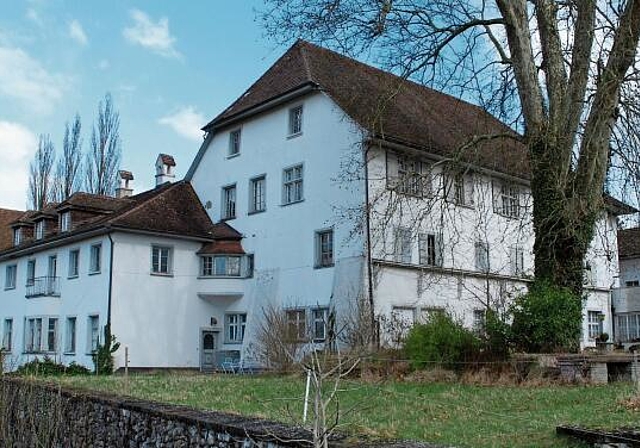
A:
460, 415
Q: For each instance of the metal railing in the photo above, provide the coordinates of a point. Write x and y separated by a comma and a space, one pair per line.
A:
43, 286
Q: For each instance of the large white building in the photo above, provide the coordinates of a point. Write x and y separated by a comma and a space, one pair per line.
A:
332, 183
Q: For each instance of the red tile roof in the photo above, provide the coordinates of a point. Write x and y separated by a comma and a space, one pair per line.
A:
233, 247
629, 243
6, 233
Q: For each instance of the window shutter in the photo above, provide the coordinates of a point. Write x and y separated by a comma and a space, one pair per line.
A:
439, 249
495, 188
392, 169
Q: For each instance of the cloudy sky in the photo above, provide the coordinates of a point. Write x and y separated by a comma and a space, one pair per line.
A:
170, 67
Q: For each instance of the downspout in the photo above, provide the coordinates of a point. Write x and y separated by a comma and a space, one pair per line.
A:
376, 339
110, 283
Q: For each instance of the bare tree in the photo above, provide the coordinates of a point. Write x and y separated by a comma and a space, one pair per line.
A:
103, 158
560, 72
68, 169
40, 174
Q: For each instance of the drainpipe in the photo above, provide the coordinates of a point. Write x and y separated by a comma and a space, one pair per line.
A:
369, 256
110, 283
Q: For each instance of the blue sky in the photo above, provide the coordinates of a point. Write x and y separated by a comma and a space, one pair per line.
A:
170, 67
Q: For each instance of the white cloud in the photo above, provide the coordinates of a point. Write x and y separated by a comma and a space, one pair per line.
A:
17, 146
186, 122
76, 32
24, 79
153, 36
34, 16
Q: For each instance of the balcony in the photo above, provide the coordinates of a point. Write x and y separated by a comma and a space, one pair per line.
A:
43, 287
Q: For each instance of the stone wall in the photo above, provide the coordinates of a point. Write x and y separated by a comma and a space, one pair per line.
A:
33, 414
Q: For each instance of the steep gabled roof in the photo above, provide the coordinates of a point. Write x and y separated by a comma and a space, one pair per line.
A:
6, 218
629, 243
389, 107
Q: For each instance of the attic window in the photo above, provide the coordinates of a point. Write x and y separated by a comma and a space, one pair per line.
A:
40, 229
65, 222
295, 121
17, 236
234, 142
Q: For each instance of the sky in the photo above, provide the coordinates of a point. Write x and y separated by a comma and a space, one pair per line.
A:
170, 67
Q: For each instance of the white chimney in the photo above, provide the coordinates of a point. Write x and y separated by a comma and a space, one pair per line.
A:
165, 167
124, 189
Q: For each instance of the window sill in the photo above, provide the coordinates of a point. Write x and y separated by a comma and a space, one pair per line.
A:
71, 277
95, 273
8, 288
207, 277
256, 212
161, 274
297, 134
232, 342
233, 156
229, 218
69, 354
323, 266
292, 203
504, 215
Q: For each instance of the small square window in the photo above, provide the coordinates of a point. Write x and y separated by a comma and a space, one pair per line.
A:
234, 142
95, 259
229, 202
295, 121
161, 260
11, 276
324, 248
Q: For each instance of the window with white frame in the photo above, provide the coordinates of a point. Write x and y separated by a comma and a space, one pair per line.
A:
161, 260
93, 337
292, 185
460, 188
220, 266
31, 272
229, 202
296, 324
408, 175
319, 323
11, 276
594, 323
517, 260
52, 334
295, 120
70, 338
17, 236
632, 283
324, 248
430, 249
628, 327
506, 199
7, 335
33, 335
250, 265
234, 142
53, 266
40, 229
235, 327
95, 258
482, 256
74, 263
479, 321
65, 221
402, 245
257, 194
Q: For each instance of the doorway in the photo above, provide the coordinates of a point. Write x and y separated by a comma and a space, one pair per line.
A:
208, 350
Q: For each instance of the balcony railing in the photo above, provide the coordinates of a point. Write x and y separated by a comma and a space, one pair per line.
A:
43, 287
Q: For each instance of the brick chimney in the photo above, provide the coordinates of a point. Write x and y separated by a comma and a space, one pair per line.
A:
165, 167
124, 189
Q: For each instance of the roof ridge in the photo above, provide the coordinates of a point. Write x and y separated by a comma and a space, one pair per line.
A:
303, 54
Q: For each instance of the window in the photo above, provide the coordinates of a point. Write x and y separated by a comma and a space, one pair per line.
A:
94, 333
408, 175
295, 121
324, 248
594, 322
53, 266
479, 322
628, 327
482, 256
11, 276
74, 262
95, 259
31, 272
460, 188
70, 343
236, 324
402, 245
632, 283
507, 199
220, 266
517, 260
17, 236
250, 265
430, 249
292, 185
229, 202
257, 194
161, 260
40, 229
319, 323
234, 142
7, 335
52, 334
296, 324
65, 222
33, 336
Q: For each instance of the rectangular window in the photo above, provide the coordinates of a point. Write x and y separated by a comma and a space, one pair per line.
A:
220, 266
65, 222
430, 249
296, 324
94, 333
95, 259
479, 322
408, 175
33, 336
53, 266
295, 121
52, 334
319, 323
292, 179
402, 245
594, 322
236, 324
31, 272
161, 262
631, 283
70, 342
257, 194
517, 260
234, 142
40, 229
229, 202
324, 248
74, 263
482, 256
509, 200
11, 276
17, 236
250, 265
206, 266
460, 187
7, 335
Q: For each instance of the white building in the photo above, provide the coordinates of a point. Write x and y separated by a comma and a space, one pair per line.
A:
344, 184
626, 299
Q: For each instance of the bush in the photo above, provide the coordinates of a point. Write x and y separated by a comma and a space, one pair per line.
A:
497, 337
48, 367
103, 356
441, 342
547, 319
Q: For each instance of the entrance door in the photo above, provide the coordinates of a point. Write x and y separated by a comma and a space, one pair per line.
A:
208, 355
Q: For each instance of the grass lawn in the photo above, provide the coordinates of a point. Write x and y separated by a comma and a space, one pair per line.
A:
456, 414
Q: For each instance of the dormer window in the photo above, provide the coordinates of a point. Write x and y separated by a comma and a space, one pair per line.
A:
65, 222
17, 236
40, 229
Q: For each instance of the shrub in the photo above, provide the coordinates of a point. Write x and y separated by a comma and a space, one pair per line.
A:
497, 337
547, 319
48, 367
441, 342
103, 356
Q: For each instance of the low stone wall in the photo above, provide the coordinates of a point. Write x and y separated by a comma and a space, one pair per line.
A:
33, 414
